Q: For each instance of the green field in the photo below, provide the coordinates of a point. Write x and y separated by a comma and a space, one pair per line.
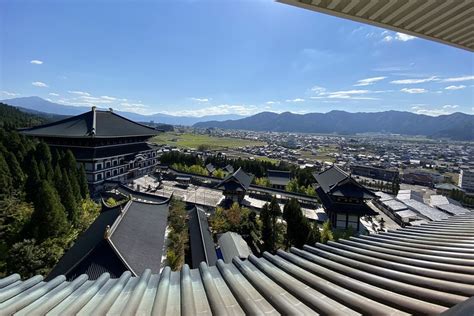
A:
188, 140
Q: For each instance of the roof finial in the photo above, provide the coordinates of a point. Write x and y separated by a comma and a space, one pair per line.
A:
111, 110
93, 108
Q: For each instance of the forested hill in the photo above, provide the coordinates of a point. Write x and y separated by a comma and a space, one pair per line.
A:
457, 126
44, 199
11, 117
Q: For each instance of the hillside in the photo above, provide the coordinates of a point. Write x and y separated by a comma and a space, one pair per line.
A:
458, 126
37, 104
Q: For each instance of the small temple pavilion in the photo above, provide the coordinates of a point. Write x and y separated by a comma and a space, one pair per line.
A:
343, 198
234, 186
110, 146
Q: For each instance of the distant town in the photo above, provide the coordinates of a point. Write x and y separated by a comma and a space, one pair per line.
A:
288, 157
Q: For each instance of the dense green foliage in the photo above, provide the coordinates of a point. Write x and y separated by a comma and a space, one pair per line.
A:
44, 202
178, 234
461, 196
272, 229
299, 230
301, 183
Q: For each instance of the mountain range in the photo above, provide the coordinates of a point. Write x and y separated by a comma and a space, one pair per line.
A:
458, 126
37, 104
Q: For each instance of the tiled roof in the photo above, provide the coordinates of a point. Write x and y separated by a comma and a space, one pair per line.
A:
335, 181
200, 238
240, 178
418, 270
94, 123
278, 177
118, 240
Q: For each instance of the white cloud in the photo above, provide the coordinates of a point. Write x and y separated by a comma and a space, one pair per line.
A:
404, 37
10, 94
397, 37
36, 62
272, 102
457, 79
347, 94
415, 81
219, 110
295, 100
368, 81
201, 99
318, 89
39, 84
79, 93
414, 90
455, 87
422, 109
54, 94
108, 98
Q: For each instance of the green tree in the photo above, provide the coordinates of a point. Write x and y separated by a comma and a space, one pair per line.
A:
299, 230
84, 188
33, 180
219, 173
270, 233
5, 177
326, 232
49, 218
69, 201
15, 170
264, 182
292, 186
218, 221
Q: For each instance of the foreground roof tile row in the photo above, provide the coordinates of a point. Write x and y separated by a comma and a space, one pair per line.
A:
416, 270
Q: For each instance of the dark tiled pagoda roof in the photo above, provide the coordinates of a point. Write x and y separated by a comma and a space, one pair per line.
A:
278, 177
428, 269
334, 181
329, 204
139, 236
95, 123
200, 238
119, 240
238, 179
210, 168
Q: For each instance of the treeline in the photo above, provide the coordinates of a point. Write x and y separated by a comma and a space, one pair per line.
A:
44, 200
462, 197
274, 228
302, 178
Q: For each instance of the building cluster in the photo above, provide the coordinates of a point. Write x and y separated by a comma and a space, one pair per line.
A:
381, 273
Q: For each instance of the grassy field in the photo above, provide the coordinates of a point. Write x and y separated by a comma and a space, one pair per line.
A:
188, 140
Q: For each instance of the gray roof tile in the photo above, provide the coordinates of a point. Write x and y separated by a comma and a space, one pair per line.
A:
416, 270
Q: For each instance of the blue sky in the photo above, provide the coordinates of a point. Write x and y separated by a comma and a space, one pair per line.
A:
220, 57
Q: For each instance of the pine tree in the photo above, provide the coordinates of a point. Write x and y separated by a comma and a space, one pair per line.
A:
16, 172
33, 180
68, 200
292, 215
84, 188
48, 218
267, 229
5, 177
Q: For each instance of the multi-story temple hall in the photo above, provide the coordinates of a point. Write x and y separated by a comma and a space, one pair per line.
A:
343, 198
110, 146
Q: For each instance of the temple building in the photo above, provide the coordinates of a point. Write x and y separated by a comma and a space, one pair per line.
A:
279, 179
110, 147
343, 198
112, 243
235, 186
